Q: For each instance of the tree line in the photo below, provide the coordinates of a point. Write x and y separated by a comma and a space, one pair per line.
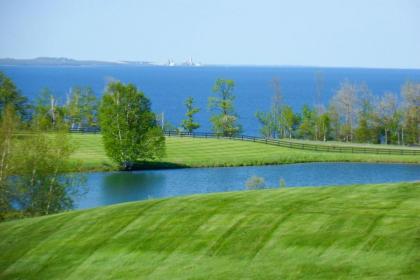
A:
353, 114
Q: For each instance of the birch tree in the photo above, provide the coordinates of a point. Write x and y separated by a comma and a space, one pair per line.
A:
366, 130
129, 128
410, 132
81, 107
8, 123
48, 114
44, 185
345, 102
388, 116
271, 122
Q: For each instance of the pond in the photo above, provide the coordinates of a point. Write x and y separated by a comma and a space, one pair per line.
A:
106, 188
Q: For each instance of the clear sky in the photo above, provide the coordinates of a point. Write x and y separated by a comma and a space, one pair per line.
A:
362, 33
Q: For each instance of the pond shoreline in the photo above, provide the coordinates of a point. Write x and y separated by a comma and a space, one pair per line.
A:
121, 186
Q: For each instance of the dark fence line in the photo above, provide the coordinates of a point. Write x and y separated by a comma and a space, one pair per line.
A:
92, 129
278, 142
301, 146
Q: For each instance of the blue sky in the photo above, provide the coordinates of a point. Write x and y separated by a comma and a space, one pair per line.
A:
361, 33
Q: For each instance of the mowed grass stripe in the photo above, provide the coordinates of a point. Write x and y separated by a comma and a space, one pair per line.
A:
328, 233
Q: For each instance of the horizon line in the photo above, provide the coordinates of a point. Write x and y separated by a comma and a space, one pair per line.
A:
146, 63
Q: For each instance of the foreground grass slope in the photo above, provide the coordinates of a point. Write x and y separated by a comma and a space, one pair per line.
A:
198, 152
313, 233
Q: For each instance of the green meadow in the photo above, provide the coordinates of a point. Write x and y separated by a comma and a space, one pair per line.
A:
200, 152
367, 231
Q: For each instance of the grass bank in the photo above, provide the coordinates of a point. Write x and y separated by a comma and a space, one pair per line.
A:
370, 231
199, 152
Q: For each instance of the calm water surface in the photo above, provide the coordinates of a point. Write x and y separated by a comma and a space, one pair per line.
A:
168, 87
115, 187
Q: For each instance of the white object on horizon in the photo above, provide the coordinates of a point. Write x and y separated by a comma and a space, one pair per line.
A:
170, 62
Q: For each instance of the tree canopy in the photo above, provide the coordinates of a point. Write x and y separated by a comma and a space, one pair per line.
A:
10, 95
189, 124
129, 128
224, 118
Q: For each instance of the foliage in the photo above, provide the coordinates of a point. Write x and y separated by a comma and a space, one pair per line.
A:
345, 102
42, 185
289, 121
188, 124
411, 107
81, 107
268, 125
129, 127
282, 183
48, 114
224, 118
272, 122
366, 131
8, 123
308, 121
324, 126
10, 95
353, 114
255, 183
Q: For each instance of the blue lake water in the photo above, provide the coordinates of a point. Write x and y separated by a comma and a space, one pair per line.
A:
106, 188
168, 87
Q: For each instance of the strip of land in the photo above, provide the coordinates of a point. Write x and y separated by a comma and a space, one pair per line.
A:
201, 152
367, 231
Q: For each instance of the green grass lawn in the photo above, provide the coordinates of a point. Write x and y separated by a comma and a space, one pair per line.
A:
314, 233
199, 152
349, 144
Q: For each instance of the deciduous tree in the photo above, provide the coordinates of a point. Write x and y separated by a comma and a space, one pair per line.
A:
128, 126
224, 118
10, 95
81, 107
189, 124
410, 133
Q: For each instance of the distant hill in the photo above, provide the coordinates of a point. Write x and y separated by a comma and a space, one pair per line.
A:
63, 61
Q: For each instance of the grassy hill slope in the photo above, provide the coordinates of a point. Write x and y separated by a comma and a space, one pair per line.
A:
313, 233
198, 152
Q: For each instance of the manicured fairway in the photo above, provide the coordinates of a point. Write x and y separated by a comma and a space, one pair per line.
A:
198, 152
299, 233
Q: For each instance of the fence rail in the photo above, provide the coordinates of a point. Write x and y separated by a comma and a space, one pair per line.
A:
301, 146
278, 142
93, 129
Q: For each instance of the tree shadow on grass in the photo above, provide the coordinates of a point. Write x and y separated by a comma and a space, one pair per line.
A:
150, 165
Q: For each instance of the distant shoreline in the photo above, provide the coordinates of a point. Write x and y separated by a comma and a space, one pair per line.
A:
68, 62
